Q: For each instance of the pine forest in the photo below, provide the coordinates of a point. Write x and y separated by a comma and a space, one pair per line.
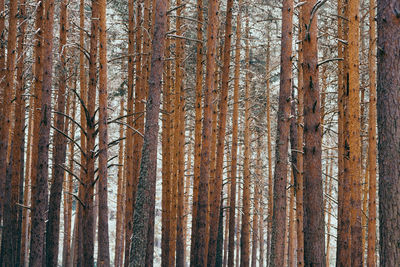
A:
200, 133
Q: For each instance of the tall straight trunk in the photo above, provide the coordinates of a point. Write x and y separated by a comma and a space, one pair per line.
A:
147, 182
179, 112
292, 239
257, 203
39, 216
388, 107
299, 185
134, 148
354, 141
223, 106
235, 127
77, 251
198, 120
60, 144
343, 237
11, 231
281, 154
119, 233
129, 180
2, 77
200, 256
269, 148
329, 208
245, 229
314, 232
166, 156
238, 222
103, 239
26, 212
66, 261
88, 183
371, 245
6, 97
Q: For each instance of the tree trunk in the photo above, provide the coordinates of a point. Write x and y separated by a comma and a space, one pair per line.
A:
60, 143
314, 232
388, 107
200, 232
245, 229
103, 239
281, 154
371, 257
235, 130
223, 106
147, 182
39, 216
166, 152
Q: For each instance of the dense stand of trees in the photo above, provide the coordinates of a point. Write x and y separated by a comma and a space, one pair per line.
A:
155, 132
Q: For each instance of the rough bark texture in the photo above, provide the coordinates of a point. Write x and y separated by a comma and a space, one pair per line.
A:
147, 181
245, 229
314, 232
103, 239
281, 152
166, 167
200, 256
354, 141
60, 144
235, 127
41, 194
371, 257
198, 121
388, 107
223, 106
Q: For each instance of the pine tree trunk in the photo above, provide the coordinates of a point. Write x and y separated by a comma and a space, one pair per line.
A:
283, 128
223, 106
147, 182
59, 150
245, 229
200, 232
39, 216
128, 168
166, 156
388, 107
103, 239
314, 232
371, 256
234, 154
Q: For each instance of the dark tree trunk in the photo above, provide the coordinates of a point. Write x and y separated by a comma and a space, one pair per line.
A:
40, 197
388, 108
145, 200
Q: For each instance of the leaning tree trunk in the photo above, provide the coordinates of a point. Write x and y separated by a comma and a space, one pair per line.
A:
388, 107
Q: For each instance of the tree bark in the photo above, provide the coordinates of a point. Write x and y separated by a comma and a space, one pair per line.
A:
281, 154
59, 150
235, 130
39, 216
147, 182
314, 232
388, 107
200, 233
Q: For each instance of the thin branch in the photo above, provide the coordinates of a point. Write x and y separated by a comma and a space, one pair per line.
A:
71, 119
69, 138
